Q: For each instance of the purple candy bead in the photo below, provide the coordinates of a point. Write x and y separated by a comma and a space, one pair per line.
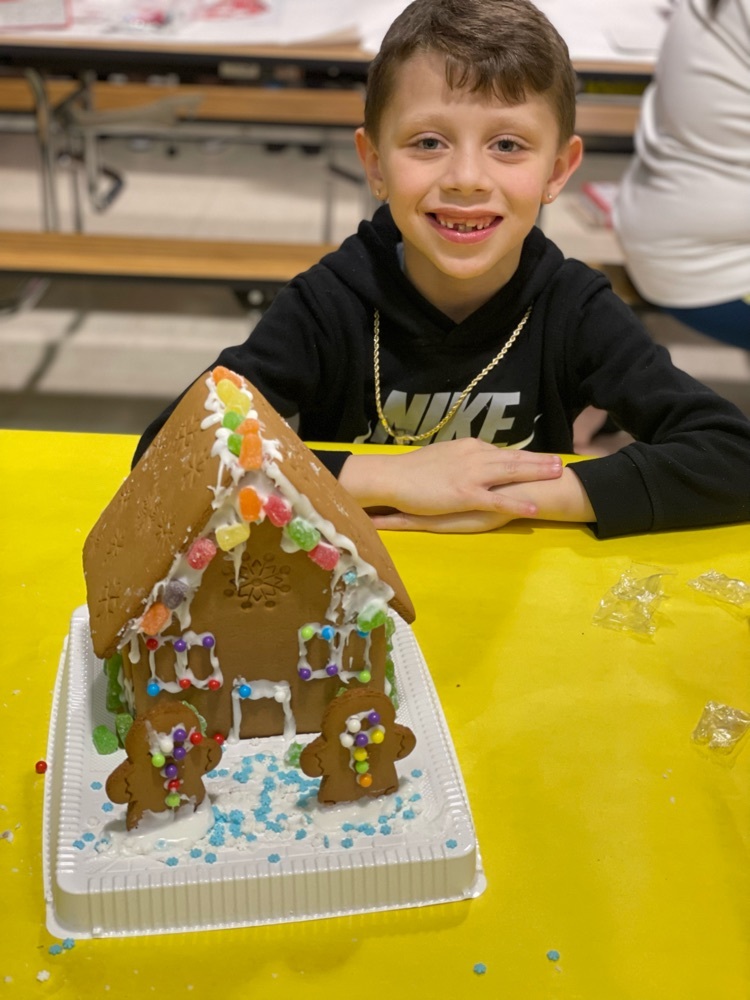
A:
179, 753
361, 739
373, 718
179, 735
180, 645
305, 673
208, 641
171, 771
332, 669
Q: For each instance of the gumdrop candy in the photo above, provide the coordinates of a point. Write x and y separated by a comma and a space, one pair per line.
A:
249, 426
250, 504
232, 420
123, 722
155, 618
251, 452
230, 535
303, 534
201, 553
278, 510
325, 555
372, 616
220, 373
234, 443
175, 593
233, 398
104, 739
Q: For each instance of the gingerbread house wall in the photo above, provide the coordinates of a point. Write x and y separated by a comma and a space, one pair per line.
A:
255, 627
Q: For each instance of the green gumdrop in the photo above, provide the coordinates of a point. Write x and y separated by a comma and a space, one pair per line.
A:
303, 534
390, 627
234, 443
372, 616
232, 420
199, 717
390, 676
292, 756
123, 722
104, 739
114, 698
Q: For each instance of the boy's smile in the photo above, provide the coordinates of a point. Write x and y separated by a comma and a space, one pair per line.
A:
465, 175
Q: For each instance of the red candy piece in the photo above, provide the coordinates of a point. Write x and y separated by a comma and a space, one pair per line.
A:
219, 738
214, 684
174, 784
201, 552
196, 738
40, 767
152, 643
155, 619
184, 683
325, 555
278, 511
220, 372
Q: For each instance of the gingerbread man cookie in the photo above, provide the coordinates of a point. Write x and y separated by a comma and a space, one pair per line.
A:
357, 748
167, 758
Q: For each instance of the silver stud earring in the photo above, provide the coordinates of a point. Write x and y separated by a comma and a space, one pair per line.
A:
549, 196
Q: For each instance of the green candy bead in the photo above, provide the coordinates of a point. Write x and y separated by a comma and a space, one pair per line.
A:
307, 632
364, 676
234, 443
361, 767
232, 420
303, 534
173, 800
158, 759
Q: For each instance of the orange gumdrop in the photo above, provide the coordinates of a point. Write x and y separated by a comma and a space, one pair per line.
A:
251, 452
250, 504
155, 618
220, 372
248, 426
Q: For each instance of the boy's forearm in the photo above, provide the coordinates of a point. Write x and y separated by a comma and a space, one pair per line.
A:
563, 499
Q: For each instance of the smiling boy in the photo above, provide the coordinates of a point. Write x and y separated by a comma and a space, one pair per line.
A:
450, 320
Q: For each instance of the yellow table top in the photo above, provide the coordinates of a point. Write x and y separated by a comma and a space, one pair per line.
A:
606, 833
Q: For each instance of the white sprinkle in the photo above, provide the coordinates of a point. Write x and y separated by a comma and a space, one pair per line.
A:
42, 976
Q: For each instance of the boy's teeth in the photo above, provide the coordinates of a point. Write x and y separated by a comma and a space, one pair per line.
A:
463, 227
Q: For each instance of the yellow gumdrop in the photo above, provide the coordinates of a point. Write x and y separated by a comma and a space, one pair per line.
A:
377, 737
230, 535
233, 398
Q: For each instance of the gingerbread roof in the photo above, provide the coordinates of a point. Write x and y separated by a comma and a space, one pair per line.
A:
168, 500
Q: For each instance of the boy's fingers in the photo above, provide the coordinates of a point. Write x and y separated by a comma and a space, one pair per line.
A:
528, 469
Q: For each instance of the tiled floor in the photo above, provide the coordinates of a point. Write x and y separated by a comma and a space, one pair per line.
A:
107, 355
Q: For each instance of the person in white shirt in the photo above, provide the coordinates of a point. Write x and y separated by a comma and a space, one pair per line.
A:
683, 210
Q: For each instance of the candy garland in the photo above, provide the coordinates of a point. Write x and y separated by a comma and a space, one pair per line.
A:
362, 730
168, 752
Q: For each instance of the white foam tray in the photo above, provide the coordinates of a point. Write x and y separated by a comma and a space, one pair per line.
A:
298, 861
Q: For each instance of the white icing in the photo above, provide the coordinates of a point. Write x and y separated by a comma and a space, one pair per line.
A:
278, 690
162, 832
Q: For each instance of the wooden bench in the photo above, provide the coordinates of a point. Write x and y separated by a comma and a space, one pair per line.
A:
87, 255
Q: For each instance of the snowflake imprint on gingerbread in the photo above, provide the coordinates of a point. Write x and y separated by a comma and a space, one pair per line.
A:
262, 581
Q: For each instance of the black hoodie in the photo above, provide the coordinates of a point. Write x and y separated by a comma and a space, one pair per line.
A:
311, 355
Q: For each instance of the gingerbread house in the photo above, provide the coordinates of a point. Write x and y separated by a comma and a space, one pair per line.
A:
231, 571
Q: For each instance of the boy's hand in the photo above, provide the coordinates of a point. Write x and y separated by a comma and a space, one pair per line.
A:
448, 478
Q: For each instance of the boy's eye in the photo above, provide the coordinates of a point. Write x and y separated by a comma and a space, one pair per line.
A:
428, 142
507, 145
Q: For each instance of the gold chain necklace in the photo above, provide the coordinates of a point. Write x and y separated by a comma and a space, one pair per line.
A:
401, 437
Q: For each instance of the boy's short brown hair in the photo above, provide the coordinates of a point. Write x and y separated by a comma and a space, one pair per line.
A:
505, 48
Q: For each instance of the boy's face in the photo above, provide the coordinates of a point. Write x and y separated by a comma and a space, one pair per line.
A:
464, 175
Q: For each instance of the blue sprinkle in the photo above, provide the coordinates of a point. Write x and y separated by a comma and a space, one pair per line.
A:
399, 803
553, 955
281, 817
107, 807
240, 777
274, 859
172, 862
367, 828
96, 785
346, 827
250, 837
347, 842
55, 949
385, 829
451, 843
383, 819
260, 756
415, 797
273, 767
223, 772
408, 814
300, 834
196, 852
480, 968
68, 943
79, 844
88, 836
416, 773
326, 842
210, 857
236, 816
274, 827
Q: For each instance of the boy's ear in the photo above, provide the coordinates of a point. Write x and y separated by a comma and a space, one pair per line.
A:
370, 160
567, 161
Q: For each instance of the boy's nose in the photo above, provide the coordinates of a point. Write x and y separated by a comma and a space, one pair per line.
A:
466, 172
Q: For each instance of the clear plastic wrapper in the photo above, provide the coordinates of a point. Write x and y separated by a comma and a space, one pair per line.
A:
723, 589
721, 729
631, 605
